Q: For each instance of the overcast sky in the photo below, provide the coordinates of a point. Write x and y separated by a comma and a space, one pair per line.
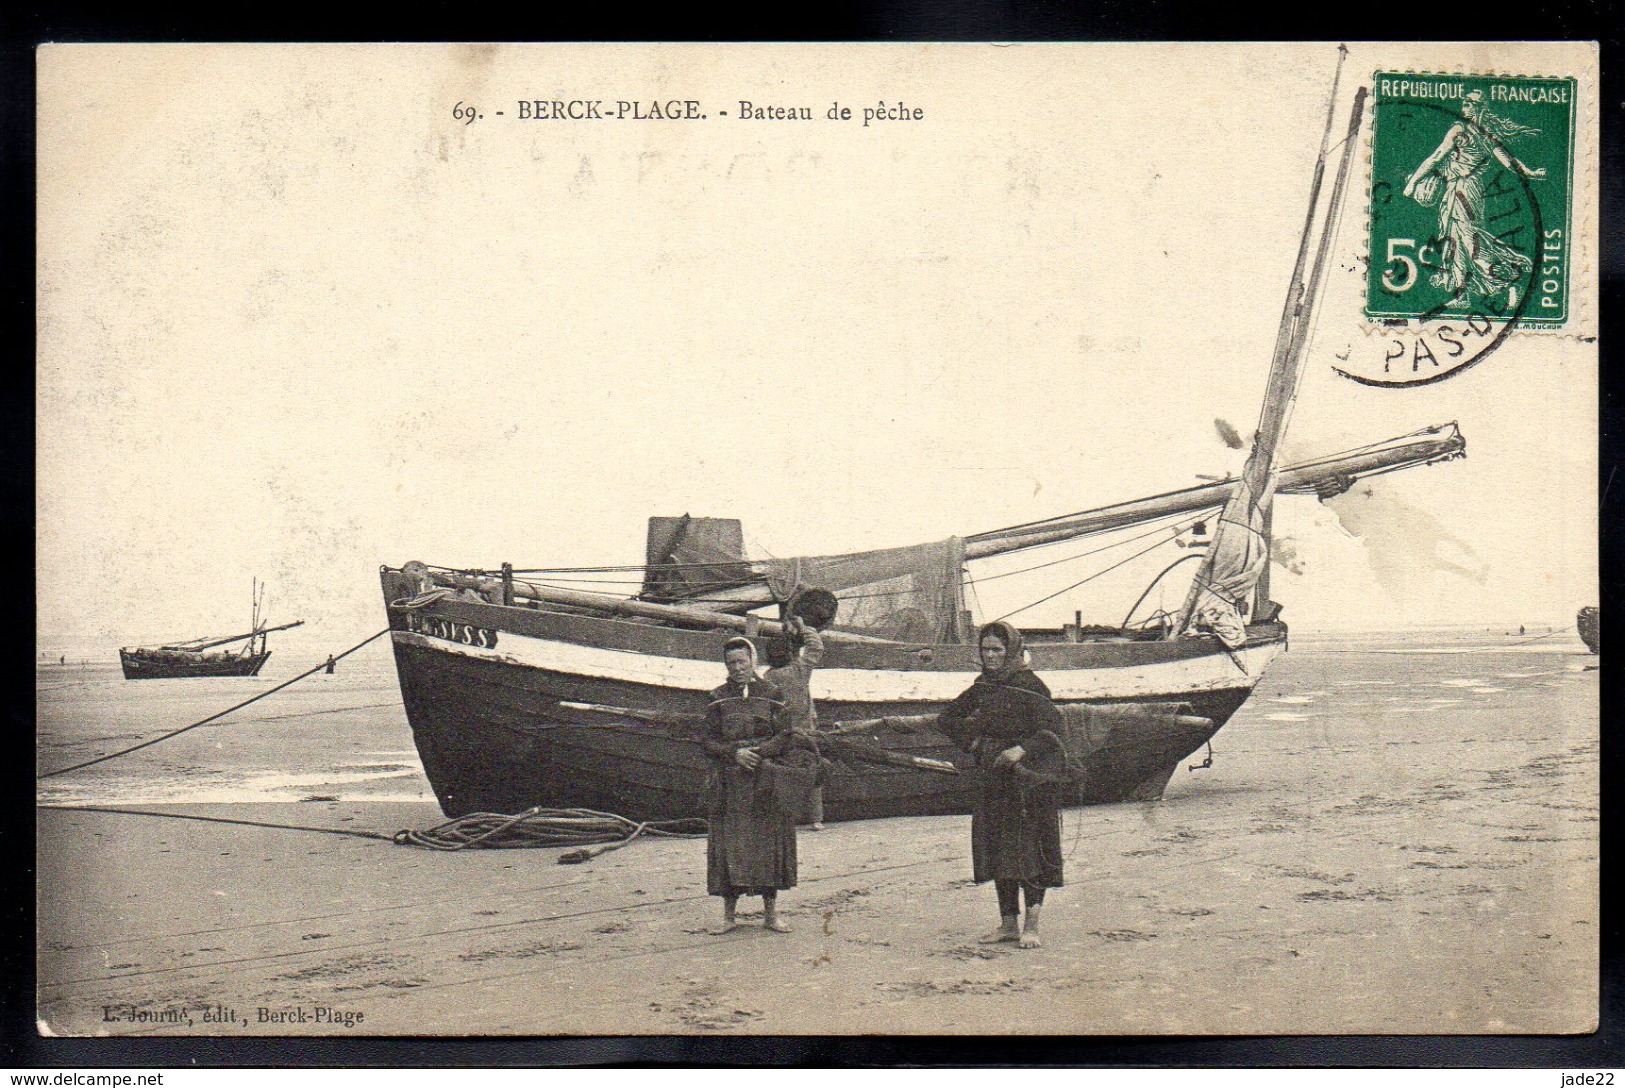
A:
297, 321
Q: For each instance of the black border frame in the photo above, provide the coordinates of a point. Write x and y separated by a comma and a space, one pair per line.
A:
27, 25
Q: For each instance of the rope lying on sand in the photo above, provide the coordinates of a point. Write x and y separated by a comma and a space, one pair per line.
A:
548, 827
535, 827
217, 820
214, 717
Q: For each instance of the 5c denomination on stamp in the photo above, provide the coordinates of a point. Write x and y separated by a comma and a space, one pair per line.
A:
1470, 219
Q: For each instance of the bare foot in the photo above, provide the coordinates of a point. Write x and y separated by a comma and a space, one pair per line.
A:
776, 925
726, 927
1029, 940
999, 936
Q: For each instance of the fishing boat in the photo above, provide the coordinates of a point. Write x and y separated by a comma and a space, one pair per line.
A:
194, 658
1589, 627
523, 691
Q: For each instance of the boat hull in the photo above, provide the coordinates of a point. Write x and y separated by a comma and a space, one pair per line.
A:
1589, 625
139, 665
509, 709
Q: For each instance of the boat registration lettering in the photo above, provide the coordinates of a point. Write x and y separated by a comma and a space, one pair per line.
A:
437, 627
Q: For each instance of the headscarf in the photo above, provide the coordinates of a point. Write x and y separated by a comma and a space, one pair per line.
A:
739, 642
1015, 654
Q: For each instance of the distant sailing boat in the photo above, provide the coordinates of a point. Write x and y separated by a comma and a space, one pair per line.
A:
523, 692
181, 659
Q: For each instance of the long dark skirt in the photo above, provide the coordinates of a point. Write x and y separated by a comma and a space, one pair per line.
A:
751, 847
1015, 834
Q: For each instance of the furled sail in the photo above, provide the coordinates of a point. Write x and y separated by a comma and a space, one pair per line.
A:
1226, 579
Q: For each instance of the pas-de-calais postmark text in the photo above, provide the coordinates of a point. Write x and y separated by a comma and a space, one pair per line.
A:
1470, 232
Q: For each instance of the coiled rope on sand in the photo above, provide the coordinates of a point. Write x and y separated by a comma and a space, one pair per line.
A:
534, 827
548, 827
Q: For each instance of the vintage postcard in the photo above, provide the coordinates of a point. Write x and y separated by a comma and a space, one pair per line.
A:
825, 539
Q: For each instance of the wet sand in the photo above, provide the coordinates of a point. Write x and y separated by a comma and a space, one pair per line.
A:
1387, 842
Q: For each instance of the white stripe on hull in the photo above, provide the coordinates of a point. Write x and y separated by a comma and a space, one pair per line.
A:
1210, 672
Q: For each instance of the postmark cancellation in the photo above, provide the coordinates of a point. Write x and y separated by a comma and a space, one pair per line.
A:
1470, 230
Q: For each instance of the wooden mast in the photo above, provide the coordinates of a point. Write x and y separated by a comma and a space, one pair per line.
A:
1284, 334
1240, 549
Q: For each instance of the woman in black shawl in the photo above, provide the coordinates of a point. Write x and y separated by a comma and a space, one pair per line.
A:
751, 845
1007, 719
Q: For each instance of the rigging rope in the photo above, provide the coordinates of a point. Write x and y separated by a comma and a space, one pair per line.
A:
970, 581
1186, 520
1154, 582
1092, 577
212, 717
1177, 529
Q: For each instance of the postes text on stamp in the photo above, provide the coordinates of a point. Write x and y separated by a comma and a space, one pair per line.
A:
1470, 225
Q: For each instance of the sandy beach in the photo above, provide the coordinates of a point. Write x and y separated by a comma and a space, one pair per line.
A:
1392, 838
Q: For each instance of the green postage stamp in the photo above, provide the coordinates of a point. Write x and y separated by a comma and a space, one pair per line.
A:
1471, 194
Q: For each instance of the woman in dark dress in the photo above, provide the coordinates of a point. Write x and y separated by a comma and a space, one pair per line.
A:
1007, 719
751, 846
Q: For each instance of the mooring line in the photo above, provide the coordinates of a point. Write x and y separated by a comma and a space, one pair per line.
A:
213, 717
218, 820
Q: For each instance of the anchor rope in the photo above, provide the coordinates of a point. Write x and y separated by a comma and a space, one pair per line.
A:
212, 717
219, 820
535, 827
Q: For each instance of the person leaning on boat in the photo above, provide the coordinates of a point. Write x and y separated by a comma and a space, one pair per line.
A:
1007, 719
751, 845
791, 660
